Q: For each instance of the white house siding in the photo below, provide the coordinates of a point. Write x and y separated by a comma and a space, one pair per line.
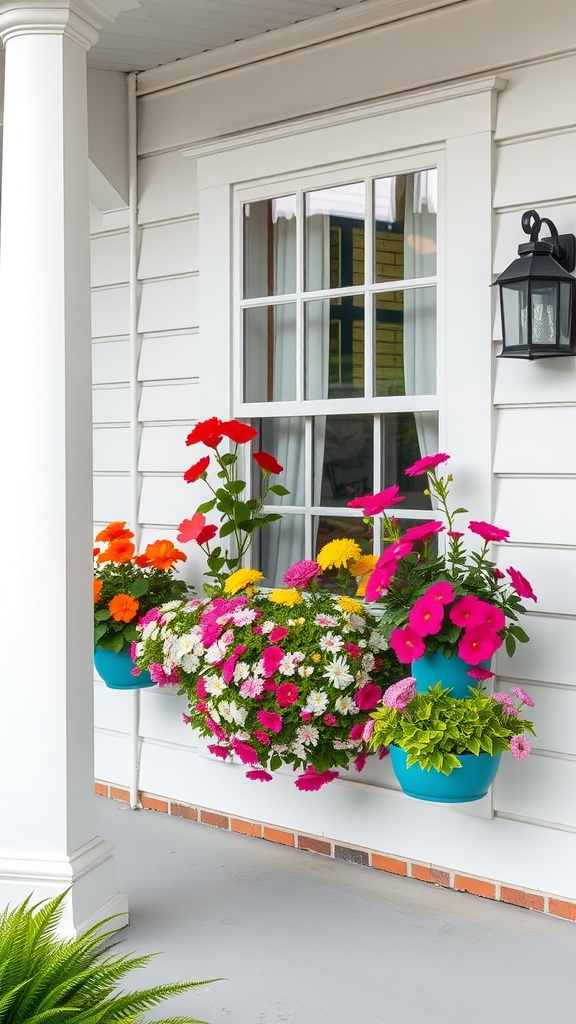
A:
521, 467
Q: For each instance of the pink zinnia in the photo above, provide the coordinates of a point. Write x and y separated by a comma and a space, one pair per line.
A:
426, 616
306, 716
407, 645
524, 697
286, 694
259, 775
478, 644
262, 737
278, 633
270, 720
271, 659
487, 531
301, 573
428, 462
367, 697
201, 688
382, 500
502, 698
158, 675
329, 719
520, 747
151, 616
423, 532
399, 694
216, 729
520, 584
356, 731
312, 780
352, 650
230, 663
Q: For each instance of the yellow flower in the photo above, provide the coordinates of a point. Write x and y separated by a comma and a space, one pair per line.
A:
241, 579
316, 657
364, 566
287, 597
338, 553
350, 605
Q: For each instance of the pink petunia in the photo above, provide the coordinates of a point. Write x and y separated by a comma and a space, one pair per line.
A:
524, 697
367, 697
480, 674
455, 534
246, 753
478, 644
270, 720
216, 729
423, 532
380, 580
426, 616
467, 612
428, 462
520, 747
312, 780
407, 645
218, 751
498, 574
520, 584
271, 659
494, 616
259, 775
487, 531
301, 573
286, 694
400, 694
278, 633
382, 500
441, 591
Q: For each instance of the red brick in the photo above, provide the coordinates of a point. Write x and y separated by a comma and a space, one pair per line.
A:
476, 886
561, 908
246, 828
314, 845
152, 803
431, 875
274, 835
101, 789
521, 899
211, 818
184, 811
390, 864
119, 794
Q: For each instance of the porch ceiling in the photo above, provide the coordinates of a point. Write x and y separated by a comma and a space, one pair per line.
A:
161, 31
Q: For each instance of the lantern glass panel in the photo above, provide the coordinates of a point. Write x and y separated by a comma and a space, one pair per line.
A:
515, 313
565, 314
545, 297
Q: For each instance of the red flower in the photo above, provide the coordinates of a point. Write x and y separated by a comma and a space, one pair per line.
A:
487, 531
286, 694
206, 534
267, 462
190, 528
367, 697
195, 471
428, 462
520, 584
239, 433
209, 432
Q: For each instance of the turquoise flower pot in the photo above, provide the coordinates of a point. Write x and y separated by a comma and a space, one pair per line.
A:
433, 668
470, 782
116, 670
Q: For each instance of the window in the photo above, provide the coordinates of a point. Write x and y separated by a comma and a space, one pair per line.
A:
337, 359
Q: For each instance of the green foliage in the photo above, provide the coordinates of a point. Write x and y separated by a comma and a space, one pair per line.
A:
149, 586
435, 727
46, 980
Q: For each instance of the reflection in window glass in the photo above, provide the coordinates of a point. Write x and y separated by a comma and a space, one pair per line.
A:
334, 233
334, 347
406, 437
282, 437
270, 353
277, 547
405, 226
405, 342
270, 247
344, 458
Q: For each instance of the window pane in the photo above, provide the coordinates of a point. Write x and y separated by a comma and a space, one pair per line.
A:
405, 226
270, 247
406, 438
283, 437
405, 342
277, 547
334, 231
270, 353
334, 347
343, 458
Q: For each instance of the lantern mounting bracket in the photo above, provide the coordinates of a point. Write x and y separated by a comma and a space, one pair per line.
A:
561, 247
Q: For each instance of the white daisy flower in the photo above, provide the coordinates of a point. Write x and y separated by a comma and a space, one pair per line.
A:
337, 672
331, 642
150, 631
287, 666
190, 662
305, 671
345, 705
241, 671
224, 708
215, 685
317, 702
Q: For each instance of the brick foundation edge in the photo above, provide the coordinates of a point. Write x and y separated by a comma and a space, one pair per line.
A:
546, 903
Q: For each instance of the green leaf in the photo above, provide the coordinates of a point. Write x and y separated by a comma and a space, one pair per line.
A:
519, 633
207, 506
140, 587
102, 615
227, 528
279, 490
235, 486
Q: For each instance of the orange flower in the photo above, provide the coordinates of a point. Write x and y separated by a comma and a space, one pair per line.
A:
115, 531
97, 590
123, 608
163, 555
120, 550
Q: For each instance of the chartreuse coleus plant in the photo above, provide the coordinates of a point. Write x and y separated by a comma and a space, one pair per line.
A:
434, 728
47, 980
239, 515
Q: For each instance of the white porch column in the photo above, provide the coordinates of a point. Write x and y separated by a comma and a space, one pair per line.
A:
47, 832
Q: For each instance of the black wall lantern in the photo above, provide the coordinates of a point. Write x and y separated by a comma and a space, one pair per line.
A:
537, 295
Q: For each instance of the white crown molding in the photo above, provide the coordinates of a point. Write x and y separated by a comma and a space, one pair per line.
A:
352, 114
81, 20
349, 20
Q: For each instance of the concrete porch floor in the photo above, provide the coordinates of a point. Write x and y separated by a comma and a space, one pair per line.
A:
310, 940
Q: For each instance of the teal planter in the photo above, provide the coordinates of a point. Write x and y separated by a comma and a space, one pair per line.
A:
116, 670
434, 668
470, 782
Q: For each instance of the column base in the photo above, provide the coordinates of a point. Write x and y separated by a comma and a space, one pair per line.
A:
89, 871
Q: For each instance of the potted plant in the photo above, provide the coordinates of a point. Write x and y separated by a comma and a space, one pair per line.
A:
126, 586
446, 749
445, 612
44, 978
285, 677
